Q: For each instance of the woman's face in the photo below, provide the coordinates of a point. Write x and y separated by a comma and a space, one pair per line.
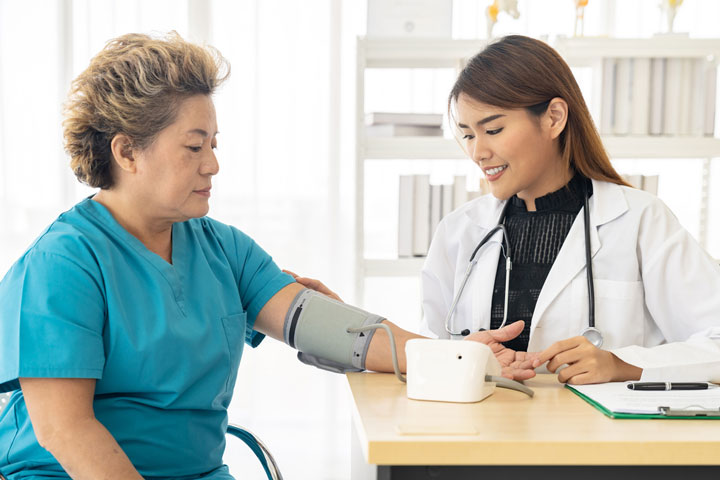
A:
174, 174
517, 153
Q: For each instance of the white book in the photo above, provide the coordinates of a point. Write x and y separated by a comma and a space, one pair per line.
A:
623, 78
422, 119
685, 92
673, 98
608, 97
650, 183
421, 215
635, 180
447, 200
657, 95
640, 97
405, 216
391, 130
435, 208
459, 191
710, 99
697, 104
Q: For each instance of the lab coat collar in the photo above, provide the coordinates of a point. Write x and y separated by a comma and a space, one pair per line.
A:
606, 204
486, 214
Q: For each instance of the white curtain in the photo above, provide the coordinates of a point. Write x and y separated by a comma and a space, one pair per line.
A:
281, 178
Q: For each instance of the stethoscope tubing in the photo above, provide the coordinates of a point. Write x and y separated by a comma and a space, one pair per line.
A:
591, 333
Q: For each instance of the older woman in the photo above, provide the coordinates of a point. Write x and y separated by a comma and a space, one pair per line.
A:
123, 324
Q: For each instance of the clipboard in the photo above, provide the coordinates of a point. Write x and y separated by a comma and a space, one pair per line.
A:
691, 412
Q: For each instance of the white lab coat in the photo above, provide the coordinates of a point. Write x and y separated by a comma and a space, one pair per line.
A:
657, 292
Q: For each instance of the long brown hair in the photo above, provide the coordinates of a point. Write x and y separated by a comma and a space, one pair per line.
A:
521, 72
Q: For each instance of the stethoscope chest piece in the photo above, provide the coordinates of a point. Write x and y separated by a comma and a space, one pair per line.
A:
594, 336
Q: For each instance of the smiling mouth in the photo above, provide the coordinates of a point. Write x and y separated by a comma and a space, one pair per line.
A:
494, 170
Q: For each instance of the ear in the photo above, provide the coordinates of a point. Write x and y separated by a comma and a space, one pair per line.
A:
557, 114
123, 154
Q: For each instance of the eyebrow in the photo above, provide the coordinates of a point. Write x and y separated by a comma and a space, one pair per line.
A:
483, 121
200, 131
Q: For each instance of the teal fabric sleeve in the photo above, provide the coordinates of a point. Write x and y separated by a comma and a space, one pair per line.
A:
48, 299
258, 277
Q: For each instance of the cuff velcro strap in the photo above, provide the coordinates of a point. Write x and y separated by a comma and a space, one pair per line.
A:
317, 326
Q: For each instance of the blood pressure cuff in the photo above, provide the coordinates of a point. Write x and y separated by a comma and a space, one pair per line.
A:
317, 327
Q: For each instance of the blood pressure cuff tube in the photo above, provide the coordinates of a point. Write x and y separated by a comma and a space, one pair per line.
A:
317, 327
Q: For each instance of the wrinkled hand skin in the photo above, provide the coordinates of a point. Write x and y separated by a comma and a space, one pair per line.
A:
515, 365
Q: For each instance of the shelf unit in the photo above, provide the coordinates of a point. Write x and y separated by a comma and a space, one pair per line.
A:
448, 53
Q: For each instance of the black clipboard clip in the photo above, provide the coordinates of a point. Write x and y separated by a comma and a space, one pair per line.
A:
691, 411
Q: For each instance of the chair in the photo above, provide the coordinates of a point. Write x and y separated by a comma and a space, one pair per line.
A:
258, 448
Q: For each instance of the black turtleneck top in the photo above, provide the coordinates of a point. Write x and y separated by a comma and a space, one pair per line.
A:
535, 240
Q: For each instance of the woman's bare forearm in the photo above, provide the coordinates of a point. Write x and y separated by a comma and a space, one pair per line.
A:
379, 356
87, 450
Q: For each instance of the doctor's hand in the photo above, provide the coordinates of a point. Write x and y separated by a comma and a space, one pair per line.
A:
515, 365
585, 363
313, 284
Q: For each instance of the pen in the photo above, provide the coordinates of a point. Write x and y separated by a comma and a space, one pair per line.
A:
667, 386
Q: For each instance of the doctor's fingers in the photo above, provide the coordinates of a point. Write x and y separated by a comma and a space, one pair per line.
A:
316, 285
579, 354
576, 374
557, 348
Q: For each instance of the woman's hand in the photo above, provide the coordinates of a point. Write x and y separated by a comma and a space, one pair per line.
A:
515, 365
585, 363
313, 284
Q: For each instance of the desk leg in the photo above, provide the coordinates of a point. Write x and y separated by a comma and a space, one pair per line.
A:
359, 468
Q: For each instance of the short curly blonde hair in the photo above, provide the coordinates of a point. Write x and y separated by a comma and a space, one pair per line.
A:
134, 86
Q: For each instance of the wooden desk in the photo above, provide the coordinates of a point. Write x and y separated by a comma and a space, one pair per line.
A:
512, 435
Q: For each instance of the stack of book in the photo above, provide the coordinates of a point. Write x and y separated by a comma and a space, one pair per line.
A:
649, 183
386, 124
658, 96
422, 206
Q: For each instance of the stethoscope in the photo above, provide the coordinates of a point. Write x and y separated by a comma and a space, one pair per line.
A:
593, 335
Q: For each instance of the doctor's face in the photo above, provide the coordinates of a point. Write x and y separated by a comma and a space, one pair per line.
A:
174, 174
516, 151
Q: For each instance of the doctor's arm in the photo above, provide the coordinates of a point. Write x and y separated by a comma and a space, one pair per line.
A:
62, 416
680, 286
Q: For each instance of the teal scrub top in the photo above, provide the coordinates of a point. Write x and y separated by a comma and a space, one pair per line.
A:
88, 300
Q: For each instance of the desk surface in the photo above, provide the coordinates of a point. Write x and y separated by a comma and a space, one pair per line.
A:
556, 427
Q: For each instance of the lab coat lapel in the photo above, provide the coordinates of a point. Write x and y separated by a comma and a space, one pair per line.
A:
606, 204
482, 280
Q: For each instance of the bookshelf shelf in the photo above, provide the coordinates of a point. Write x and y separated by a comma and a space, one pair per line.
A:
437, 148
416, 53
398, 267
579, 50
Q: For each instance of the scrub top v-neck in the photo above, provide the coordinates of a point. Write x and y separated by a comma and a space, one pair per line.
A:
164, 341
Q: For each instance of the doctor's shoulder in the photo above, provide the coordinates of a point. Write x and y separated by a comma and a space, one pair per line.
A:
478, 209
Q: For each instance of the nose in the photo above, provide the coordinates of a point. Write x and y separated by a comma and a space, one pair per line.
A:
479, 151
211, 166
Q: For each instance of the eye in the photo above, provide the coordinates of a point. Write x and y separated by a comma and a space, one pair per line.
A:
195, 149
468, 137
494, 132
